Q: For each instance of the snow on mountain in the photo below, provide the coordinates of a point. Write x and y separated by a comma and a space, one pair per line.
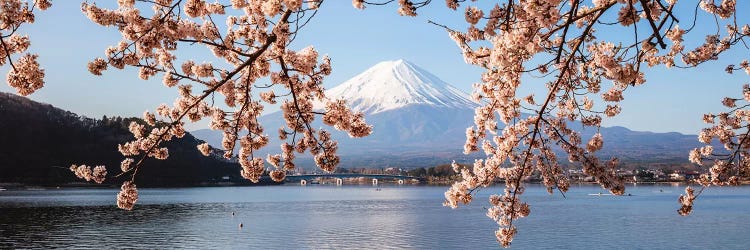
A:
396, 84
420, 121
408, 107
416, 118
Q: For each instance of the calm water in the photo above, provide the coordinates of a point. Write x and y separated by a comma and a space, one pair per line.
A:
397, 217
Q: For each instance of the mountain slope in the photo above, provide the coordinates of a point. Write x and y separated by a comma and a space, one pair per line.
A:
419, 120
40, 142
396, 84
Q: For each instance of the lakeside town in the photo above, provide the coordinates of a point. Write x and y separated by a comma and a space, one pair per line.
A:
438, 175
445, 175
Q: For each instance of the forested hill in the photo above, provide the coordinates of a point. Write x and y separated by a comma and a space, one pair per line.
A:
39, 142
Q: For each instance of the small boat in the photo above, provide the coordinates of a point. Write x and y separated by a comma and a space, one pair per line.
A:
2, 189
601, 194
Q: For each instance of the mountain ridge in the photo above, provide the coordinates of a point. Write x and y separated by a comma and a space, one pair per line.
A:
40, 142
395, 84
428, 129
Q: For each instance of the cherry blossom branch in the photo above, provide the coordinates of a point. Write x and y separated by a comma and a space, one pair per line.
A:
206, 93
302, 117
656, 33
542, 109
25, 75
7, 52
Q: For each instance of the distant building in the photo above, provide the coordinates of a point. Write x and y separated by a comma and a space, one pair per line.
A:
677, 177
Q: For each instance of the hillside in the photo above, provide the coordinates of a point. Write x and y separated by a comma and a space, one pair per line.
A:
40, 142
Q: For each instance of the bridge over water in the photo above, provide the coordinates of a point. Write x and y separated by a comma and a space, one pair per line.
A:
340, 176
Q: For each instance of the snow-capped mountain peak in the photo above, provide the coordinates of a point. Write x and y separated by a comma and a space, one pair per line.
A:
394, 84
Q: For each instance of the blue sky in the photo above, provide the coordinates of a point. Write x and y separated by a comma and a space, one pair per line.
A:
671, 100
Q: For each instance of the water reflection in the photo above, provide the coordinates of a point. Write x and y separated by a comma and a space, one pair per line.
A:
396, 217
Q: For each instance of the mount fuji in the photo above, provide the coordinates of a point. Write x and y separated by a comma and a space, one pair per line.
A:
420, 121
392, 85
408, 107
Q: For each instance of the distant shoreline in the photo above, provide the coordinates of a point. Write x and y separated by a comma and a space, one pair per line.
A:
21, 186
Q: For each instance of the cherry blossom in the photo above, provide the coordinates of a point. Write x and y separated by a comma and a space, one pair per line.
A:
254, 59
586, 73
578, 64
25, 75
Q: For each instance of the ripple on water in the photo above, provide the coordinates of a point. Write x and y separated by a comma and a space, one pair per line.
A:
361, 218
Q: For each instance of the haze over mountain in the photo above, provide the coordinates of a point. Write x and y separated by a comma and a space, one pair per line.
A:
419, 120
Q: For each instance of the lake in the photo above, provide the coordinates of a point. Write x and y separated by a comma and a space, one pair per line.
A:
362, 217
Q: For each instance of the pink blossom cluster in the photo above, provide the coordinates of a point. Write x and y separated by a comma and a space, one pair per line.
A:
358, 4
126, 164
340, 117
686, 201
256, 66
407, 8
127, 196
147, 143
98, 174
25, 74
586, 76
732, 130
525, 144
204, 148
724, 10
587, 79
